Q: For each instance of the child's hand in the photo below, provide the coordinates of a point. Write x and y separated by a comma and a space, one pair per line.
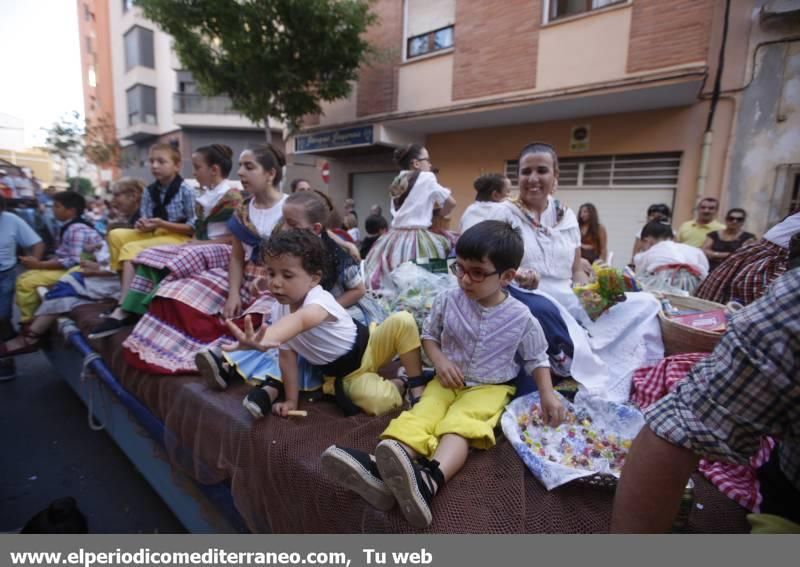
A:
450, 375
552, 411
233, 306
283, 408
29, 262
249, 338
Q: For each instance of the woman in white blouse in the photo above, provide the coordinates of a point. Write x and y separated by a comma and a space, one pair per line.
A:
550, 231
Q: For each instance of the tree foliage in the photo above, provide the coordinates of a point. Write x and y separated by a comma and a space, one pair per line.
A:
273, 58
101, 145
81, 185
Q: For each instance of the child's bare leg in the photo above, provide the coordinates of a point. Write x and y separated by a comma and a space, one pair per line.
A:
451, 453
38, 327
126, 278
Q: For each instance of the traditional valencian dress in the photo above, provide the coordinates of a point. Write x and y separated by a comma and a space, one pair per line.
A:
214, 209
185, 316
409, 237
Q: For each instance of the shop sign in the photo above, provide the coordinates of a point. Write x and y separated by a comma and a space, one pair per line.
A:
344, 138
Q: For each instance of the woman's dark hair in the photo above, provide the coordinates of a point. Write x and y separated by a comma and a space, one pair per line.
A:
401, 187
404, 156
375, 223
71, 200
300, 243
313, 204
295, 182
487, 184
593, 230
737, 210
217, 154
658, 230
540, 148
661, 209
496, 240
270, 157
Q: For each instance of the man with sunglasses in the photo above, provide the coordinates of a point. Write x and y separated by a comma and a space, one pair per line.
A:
694, 232
720, 244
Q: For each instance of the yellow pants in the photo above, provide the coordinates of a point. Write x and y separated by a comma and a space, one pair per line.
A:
471, 413
27, 297
398, 334
125, 244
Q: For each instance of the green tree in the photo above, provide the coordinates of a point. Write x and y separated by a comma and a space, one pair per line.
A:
273, 58
82, 185
66, 140
76, 141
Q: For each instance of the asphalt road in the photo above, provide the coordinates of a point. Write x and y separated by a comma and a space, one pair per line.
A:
49, 451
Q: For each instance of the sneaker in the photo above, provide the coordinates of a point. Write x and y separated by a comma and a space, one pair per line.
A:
110, 326
212, 368
357, 471
258, 403
413, 484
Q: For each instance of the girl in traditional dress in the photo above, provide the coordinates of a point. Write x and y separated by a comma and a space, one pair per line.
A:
415, 195
186, 315
209, 248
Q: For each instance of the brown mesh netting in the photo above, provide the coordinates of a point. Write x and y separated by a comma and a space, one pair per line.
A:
277, 484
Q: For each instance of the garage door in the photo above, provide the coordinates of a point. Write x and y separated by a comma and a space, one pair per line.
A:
371, 189
621, 187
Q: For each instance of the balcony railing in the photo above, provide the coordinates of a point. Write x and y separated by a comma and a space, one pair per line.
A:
199, 104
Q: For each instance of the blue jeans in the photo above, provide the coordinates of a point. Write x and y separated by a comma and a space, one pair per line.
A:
7, 281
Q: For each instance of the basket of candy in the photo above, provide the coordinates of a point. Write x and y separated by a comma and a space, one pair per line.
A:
590, 446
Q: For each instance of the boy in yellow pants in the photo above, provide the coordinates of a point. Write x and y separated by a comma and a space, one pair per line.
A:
168, 216
75, 237
477, 337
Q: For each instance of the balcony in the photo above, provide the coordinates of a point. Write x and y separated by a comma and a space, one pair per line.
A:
195, 110
199, 104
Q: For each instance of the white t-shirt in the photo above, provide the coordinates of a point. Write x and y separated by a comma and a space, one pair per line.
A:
355, 234
327, 341
264, 221
208, 200
480, 211
669, 252
782, 232
417, 210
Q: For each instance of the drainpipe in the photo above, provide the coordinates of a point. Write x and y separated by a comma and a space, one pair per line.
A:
705, 150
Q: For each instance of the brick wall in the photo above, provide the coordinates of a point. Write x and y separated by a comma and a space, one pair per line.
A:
495, 47
377, 83
669, 33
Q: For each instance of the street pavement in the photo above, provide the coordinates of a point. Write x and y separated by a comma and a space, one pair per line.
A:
50, 452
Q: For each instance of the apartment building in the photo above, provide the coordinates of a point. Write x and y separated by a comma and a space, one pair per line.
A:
621, 88
154, 99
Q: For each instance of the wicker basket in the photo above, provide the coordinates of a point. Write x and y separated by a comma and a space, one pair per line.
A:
679, 338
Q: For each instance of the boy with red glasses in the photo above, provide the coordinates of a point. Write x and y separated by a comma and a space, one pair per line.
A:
477, 337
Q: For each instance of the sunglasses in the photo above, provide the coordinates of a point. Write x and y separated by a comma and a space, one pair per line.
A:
476, 275
735, 219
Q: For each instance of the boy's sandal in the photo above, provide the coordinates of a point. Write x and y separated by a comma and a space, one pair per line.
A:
30, 344
412, 382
